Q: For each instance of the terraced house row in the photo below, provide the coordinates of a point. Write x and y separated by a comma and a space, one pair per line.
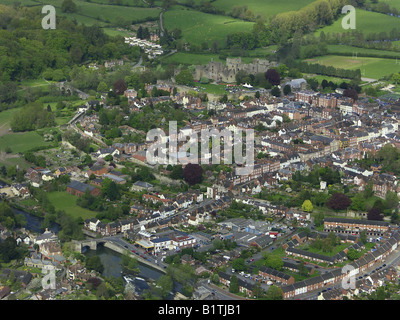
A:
355, 226
336, 275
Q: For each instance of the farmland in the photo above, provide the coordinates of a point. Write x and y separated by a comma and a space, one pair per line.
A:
67, 202
370, 67
198, 27
90, 13
266, 8
366, 21
21, 142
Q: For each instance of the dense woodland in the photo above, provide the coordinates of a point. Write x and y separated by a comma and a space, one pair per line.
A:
27, 50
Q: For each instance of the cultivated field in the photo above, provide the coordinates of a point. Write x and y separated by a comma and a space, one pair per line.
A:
22, 141
370, 67
67, 202
367, 22
266, 8
198, 27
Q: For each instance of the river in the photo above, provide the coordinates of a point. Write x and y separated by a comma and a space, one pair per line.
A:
112, 268
109, 258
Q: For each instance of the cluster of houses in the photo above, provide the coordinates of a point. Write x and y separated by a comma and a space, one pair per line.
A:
44, 256
152, 49
329, 278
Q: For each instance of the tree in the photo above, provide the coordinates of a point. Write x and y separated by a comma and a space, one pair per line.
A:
234, 284
239, 264
319, 219
68, 6
94, 263
184, 77
287, 90
166, 283
110, 189
307, 206
338, 201
351, 93
375, 214
193, 173
396, 78
176, 172
276, 92
273, 77
120, 86
274, 293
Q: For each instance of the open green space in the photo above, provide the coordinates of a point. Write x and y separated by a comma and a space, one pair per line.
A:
198, 27
356, 51
266, 8
22, 141
192, 58
366, 21
375, 68
90, 13
67, 202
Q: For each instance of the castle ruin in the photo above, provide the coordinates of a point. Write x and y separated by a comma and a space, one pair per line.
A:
219, 72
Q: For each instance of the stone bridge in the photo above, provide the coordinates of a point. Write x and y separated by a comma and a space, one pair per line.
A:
67, 89
90, 243
93, 243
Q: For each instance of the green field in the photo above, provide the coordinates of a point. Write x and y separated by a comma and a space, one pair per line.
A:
266, 8
5, 118
198, 27
349, 50
67, 202
90, 13
22, 141
366, 21
192, 58
374, 68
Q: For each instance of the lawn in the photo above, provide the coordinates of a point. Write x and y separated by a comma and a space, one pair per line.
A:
266, 8
67, 202
366, 21
89, 13
349, 50
22, 141
5, 118
370, 67
192, 58
198, 27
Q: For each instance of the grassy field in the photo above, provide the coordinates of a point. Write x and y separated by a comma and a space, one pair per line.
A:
344, 49
192, 58
22, 141
366, 21
374, 68
266, 8
198, 27
90, 13
67, 202
5, 118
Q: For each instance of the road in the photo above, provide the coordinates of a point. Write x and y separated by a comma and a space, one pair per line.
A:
392, 260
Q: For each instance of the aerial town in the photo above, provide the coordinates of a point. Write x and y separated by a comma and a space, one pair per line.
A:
117, 175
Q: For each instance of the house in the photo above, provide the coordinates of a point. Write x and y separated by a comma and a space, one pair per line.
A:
50, 249
141, 185
76, 271
4, 291
77, 188
275, 275
46, 236
20, 190
97, 170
